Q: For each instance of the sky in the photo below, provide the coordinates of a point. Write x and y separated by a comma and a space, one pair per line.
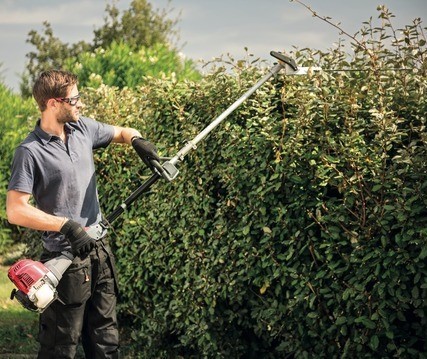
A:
207, 28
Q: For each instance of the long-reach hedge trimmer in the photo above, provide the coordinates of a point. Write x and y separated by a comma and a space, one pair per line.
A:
37, 282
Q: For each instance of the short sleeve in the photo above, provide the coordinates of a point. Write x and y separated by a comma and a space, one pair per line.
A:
22, 172
101, 133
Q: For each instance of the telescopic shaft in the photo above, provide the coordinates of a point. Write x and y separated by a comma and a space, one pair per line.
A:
167, 169
193, 143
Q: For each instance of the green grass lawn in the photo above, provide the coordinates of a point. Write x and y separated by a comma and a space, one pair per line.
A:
18, 326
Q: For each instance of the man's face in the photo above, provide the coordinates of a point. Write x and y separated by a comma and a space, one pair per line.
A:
67, 112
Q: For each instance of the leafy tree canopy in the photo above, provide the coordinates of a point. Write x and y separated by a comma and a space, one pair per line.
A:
139, 26
120, 66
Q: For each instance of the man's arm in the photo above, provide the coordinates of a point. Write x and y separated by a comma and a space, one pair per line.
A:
20, 212
124, 134
145, 149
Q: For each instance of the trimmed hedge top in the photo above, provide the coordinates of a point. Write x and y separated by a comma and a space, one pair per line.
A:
297, 228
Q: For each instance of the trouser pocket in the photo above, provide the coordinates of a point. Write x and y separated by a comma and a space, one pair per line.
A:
75, 286
111, 262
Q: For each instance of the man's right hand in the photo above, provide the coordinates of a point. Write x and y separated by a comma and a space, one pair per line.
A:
81, 242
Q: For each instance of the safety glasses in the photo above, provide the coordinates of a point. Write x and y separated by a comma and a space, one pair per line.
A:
72, 101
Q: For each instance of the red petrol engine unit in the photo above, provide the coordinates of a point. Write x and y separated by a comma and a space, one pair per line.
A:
35, 282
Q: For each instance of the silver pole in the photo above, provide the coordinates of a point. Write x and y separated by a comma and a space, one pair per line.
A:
191, 145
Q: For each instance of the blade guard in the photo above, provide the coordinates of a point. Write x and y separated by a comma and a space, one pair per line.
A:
285, 60
290, 65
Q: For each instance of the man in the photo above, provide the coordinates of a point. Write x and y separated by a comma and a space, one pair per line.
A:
54, 165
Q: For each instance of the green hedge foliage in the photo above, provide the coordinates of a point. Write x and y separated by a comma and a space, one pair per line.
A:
296, 229
15, 115
122, 66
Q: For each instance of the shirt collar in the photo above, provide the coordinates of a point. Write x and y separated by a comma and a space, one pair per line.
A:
43, 136
46, 137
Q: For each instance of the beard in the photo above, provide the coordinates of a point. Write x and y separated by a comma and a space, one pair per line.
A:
68, 114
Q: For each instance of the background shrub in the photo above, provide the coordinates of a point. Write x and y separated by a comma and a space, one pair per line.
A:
121, 65
15, 117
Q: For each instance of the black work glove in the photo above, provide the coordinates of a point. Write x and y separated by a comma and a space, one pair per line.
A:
145, 150
81, 242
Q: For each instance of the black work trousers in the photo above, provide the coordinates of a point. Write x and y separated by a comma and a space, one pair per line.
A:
86, 309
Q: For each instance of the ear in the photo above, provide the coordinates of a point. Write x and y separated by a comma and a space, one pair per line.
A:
51, 103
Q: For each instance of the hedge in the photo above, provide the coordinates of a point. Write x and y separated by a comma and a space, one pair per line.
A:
16, 117
296, 229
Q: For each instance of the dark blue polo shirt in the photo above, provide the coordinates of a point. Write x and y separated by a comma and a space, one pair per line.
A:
61, 176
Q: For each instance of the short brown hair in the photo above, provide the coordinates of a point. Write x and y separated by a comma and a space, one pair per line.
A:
52, 84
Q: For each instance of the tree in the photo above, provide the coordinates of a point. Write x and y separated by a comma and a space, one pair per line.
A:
140, 26
50, 53
121, 66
